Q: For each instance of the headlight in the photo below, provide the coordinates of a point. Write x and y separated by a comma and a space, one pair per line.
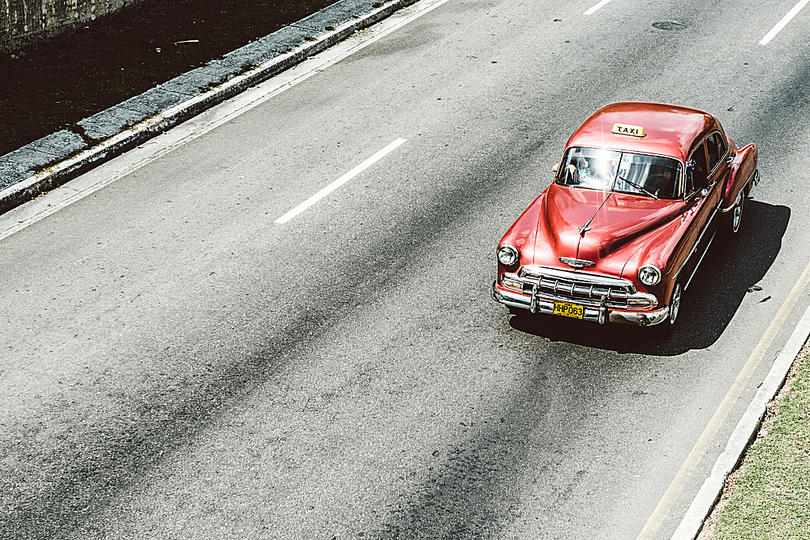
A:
508, 255
649, 275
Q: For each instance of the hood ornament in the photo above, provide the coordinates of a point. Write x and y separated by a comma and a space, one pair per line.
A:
577, 263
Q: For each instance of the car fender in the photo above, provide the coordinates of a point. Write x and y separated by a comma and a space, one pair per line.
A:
521, 235
666, 248
742, 175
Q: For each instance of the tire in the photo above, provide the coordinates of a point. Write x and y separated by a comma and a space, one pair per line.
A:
663, 331
737, 212
674, 304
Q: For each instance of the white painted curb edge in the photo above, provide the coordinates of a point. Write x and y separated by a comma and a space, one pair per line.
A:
743, 434
65, 170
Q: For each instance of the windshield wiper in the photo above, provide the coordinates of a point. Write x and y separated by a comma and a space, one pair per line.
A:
638, 187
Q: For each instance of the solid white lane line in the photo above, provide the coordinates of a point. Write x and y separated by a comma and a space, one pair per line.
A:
340, 181
596, 8
786, 19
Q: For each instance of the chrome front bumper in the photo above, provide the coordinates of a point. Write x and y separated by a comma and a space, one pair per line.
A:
599, 315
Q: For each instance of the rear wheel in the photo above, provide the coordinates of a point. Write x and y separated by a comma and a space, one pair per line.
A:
737, 212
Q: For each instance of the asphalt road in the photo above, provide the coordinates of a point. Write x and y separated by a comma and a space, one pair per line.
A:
176, 364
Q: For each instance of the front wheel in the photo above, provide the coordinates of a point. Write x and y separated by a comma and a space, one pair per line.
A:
664, 330
674, 304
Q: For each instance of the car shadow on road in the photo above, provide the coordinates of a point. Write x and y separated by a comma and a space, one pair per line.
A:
732, 268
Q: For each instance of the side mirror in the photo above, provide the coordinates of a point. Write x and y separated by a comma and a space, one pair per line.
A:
556, 167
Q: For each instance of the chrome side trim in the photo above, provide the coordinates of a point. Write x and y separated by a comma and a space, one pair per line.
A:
694, 249
700, 260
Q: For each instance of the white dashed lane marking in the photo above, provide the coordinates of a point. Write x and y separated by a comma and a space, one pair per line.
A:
340, 181
785, 20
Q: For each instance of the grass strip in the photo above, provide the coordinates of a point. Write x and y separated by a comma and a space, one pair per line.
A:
768, 496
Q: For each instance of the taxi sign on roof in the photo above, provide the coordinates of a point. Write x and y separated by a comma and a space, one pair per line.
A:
624, 129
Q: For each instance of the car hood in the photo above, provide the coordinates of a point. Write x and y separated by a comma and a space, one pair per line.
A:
616, 220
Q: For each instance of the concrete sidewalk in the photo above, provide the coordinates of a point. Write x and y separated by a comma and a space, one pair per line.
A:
55, 159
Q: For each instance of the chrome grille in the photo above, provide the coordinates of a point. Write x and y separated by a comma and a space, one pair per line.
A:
579, 287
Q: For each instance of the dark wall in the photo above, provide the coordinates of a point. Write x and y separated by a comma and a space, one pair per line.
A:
23, 22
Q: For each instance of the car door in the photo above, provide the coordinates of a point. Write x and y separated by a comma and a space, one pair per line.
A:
704, 194
718, 172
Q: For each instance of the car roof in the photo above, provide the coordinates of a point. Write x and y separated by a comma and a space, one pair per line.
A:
668, 130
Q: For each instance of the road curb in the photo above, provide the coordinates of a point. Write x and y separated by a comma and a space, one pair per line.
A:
57, 158
745, 432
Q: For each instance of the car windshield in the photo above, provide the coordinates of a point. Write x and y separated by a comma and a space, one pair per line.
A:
624, 172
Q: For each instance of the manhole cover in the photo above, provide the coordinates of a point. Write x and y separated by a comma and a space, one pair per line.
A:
669, 25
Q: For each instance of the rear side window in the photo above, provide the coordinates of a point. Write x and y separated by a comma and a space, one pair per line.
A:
716, 149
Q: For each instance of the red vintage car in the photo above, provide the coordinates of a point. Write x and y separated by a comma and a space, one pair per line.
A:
637, 199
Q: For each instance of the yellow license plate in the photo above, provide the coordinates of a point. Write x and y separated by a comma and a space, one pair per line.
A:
569, 310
